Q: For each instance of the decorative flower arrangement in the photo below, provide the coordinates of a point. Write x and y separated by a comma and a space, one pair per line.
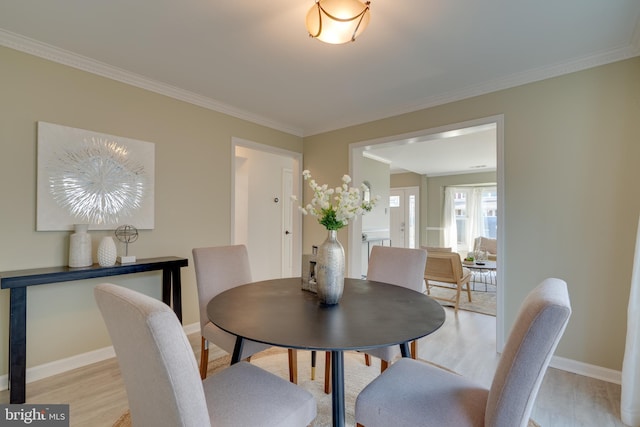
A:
335, 207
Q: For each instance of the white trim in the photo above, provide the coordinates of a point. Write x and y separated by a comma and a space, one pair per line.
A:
500, 304
587, 370
297, 191
65, 57
67, 364
505, 82
60, 366
61, 56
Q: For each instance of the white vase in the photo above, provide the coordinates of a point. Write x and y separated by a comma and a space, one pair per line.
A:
107, 253
330, 270
80, 247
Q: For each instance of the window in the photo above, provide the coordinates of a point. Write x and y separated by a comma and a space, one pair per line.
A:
470, 212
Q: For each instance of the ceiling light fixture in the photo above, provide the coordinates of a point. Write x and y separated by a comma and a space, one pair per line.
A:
337, 21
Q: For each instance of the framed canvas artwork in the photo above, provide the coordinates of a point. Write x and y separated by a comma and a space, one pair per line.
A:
87, 177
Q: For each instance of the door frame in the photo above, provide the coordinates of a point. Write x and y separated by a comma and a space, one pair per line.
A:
297, 191
355, 228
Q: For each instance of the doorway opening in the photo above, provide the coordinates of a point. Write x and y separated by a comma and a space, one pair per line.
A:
262, 213
430, 232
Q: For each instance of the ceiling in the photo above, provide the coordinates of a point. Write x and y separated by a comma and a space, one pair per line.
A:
254, 60
459, 151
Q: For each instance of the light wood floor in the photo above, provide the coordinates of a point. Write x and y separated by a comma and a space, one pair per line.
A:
465, 344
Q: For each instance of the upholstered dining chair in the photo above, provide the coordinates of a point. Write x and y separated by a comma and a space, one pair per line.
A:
412, 392
446, 267
400, 267
218, 269
161, 377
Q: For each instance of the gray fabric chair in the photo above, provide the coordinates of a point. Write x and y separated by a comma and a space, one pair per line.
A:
412, 392
160, 373
217, 270
401, 267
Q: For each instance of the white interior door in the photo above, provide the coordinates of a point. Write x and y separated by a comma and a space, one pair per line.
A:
404, 214
397, 218
263, 212
286, 233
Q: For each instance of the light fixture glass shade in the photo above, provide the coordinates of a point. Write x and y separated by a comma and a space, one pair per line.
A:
337, 21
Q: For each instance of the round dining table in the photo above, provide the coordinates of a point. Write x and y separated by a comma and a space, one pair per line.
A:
369, 315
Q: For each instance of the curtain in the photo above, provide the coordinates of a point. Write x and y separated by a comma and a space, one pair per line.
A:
475, 221
630, 399
474, 224
449, 219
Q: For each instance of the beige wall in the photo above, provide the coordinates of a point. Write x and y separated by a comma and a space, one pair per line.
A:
192, 198
571, 148
407, 179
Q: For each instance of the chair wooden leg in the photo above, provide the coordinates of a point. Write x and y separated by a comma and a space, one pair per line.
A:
367, 360
293, 366
204, 357
383, 365
414, 349
458, 291
327, 372
313, 365
469, 290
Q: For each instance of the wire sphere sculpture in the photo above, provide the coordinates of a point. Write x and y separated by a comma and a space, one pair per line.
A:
126, 234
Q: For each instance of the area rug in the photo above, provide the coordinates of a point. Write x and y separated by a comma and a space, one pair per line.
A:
481, 302
357, 376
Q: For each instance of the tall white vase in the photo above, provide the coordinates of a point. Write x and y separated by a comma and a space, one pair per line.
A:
107, 253
80, 247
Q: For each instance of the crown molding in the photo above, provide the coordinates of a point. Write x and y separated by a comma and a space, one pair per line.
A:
61, 56
506, 82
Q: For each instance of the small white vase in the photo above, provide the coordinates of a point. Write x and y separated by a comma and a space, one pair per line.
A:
107, 253
80, 247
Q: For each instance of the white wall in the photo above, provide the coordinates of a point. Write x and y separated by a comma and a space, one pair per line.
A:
376, 222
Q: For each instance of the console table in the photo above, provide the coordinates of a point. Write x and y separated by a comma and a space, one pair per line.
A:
17, 282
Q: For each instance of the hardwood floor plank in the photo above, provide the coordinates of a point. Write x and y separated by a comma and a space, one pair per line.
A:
465, 344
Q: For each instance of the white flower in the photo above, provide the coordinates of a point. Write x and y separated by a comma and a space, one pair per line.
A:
335, 207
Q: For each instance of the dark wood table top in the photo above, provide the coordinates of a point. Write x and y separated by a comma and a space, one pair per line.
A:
369, 315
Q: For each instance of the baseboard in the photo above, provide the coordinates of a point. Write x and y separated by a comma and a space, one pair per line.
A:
59, 366
587, 370
63, 365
